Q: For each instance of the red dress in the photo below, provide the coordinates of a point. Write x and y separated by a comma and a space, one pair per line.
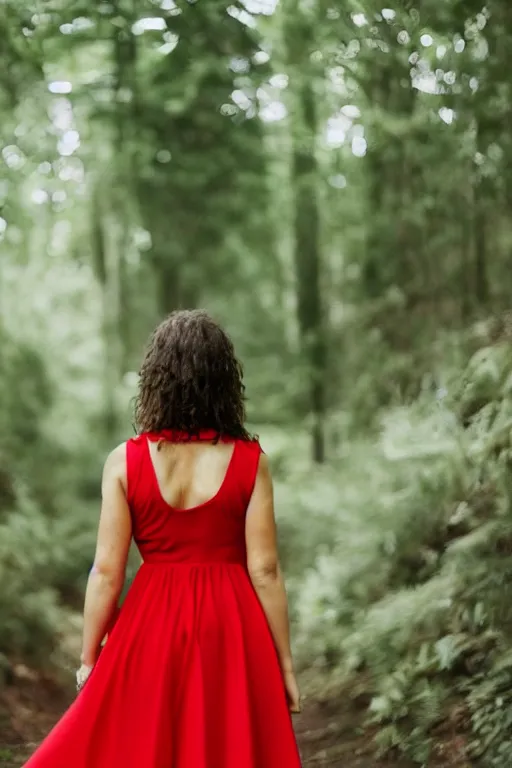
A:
189, 677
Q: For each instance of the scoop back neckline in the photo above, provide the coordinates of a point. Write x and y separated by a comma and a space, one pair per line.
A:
156, 484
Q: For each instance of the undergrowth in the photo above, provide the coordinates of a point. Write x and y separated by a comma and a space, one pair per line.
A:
412, 579
46, 530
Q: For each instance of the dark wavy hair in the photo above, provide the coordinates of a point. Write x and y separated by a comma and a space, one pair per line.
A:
191, 379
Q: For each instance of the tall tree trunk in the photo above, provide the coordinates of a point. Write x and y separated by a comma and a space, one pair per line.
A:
466, 288
114, 246
480, 246
168, 282
308, 268
107, 244
307, 253
112, 216
480, 228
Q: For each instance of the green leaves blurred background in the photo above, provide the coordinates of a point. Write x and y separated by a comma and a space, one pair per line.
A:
333, 182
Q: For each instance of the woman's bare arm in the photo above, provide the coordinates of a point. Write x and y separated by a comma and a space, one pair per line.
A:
107, 576
265, 572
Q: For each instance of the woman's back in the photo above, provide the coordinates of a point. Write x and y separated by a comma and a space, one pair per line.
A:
188, 497
190, 473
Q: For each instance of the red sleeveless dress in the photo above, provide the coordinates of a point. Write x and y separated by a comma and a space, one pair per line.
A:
189, 677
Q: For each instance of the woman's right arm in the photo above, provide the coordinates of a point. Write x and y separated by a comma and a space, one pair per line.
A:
265, 573
108, 573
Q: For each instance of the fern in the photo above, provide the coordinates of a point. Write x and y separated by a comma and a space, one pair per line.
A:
417, 592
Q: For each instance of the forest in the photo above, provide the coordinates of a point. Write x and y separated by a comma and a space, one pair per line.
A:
333, 182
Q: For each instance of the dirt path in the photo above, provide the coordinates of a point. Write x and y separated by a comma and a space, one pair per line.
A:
328, 735
329, 732
28, 709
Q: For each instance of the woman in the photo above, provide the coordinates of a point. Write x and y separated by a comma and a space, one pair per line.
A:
197, 670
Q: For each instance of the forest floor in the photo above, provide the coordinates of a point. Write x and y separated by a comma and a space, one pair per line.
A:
329, 735
329, 730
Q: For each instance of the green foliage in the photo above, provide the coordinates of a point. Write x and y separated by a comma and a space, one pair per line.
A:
334, 183
44, 552
490, 702
29, 614
409, 705
412, 584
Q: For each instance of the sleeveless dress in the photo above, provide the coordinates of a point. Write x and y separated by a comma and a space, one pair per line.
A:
189, 676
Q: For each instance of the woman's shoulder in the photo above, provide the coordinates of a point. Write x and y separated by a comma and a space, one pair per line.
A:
115, 464
249, 445
117, 455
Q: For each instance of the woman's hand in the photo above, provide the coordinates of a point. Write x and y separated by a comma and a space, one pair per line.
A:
292, 691
82, 676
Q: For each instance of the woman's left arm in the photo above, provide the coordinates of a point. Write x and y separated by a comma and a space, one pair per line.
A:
107, 576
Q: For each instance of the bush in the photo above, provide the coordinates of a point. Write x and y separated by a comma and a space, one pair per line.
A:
413, 584
44, 549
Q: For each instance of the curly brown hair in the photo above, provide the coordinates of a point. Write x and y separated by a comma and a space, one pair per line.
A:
191, 379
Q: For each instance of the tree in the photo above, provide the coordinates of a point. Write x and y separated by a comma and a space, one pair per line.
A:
299, 39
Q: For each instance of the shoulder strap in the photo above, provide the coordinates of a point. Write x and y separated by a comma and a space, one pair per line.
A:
135, 461
245, 467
